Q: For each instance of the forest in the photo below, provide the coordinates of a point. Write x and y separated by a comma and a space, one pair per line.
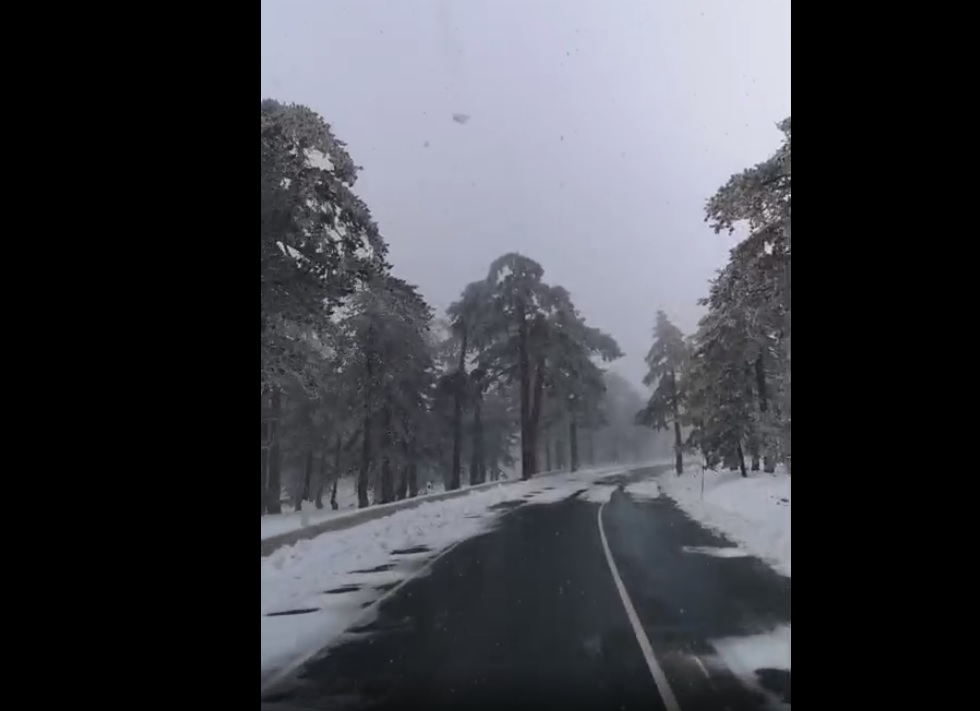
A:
363, 381
724, 391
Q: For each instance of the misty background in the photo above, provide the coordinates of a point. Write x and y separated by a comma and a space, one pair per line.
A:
596, 133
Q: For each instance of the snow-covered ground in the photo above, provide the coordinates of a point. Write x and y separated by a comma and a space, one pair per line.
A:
337, 575
748, 657
754, 512
289, 520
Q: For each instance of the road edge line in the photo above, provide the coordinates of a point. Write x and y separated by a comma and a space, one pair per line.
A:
659, 678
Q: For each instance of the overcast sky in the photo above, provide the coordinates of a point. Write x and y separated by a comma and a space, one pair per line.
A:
597, 131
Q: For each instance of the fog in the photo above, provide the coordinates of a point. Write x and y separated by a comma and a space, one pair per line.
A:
593, 134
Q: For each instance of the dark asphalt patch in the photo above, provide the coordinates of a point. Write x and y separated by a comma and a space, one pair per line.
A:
381, 625
775, 680
376, 569
342, 589
301, 611
513, 504
411, 550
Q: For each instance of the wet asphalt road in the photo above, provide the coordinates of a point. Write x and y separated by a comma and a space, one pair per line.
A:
529, 614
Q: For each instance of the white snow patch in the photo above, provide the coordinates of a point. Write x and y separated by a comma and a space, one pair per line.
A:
754, 512
319, 159
289, 520
296, 577
770, 650
744, 656
646, 489
728, 552
598, 494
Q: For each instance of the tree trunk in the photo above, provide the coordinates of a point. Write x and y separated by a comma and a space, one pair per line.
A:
678, 458
573, 443
524, 367
265, 460
336, 474
274, 492
536, 415
308, 476
678, 443
362, 474
769, 462
755, 461
265, 478
387, 480
402, 489
321, 478
741, 460
547, 449
477, 465
459, 381
591, 443
413, 479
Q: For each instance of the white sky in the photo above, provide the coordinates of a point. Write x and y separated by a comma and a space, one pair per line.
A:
597, 131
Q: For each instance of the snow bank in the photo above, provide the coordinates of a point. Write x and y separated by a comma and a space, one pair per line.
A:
325, 584
289, 520
753, 511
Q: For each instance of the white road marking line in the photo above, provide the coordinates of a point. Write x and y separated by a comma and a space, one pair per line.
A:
659, 678
701, 666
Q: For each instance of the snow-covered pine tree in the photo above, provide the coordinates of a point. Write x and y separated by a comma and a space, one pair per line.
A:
666, 362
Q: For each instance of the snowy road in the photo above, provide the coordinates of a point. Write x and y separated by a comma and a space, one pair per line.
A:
531, 611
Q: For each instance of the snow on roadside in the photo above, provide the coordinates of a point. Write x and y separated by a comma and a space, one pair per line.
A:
297, 579
747, 656
645, 489
289, 520
754, 512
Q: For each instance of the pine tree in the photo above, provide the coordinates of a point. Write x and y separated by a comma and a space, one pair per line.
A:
760, 197
666, 361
